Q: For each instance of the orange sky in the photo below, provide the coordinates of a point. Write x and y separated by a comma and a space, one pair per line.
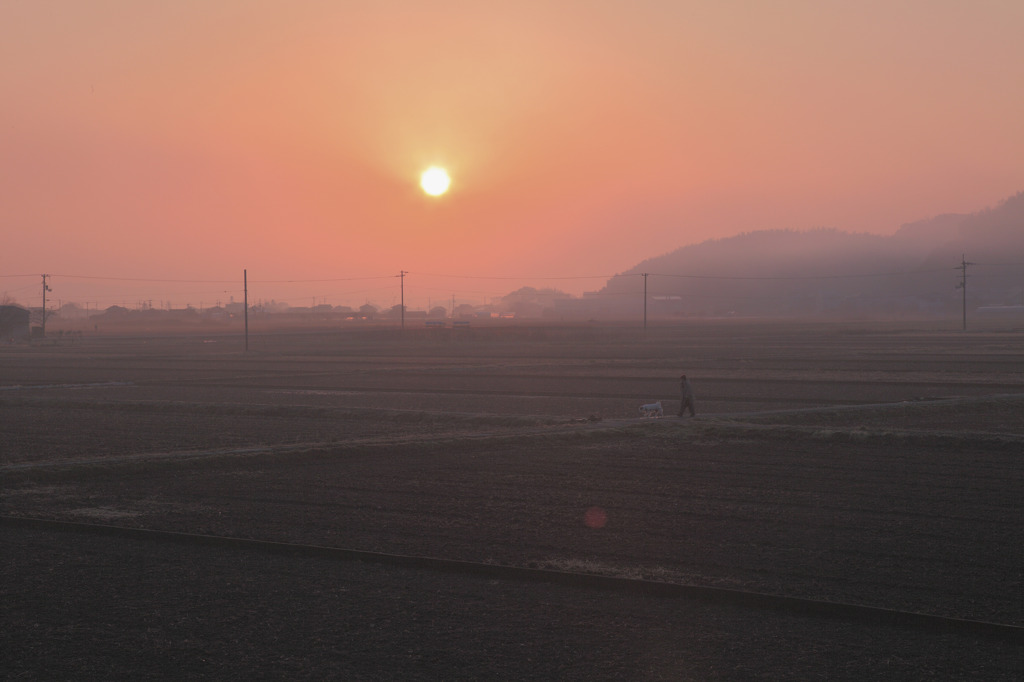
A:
188, 140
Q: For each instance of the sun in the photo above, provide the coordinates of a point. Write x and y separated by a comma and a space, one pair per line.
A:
435, 181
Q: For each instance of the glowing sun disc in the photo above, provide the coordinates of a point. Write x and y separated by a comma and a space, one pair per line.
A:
435, 181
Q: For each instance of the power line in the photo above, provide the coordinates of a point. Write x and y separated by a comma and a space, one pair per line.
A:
46, 287
145, 279
520, 277
448, 290
776, 277
333, 279
611, 282
24, 288
402, 274
509, 277
210, 281
963, 283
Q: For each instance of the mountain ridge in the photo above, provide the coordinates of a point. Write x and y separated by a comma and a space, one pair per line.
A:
915, 269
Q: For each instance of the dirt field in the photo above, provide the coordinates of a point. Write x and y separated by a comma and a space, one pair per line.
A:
874, 465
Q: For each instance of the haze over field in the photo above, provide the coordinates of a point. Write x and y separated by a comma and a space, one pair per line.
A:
186, 141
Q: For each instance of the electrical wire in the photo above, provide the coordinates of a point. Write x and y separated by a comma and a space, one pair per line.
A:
523, 276
777, 277
619, 277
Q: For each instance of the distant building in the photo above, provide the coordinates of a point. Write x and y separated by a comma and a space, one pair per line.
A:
1001, 310
13, 324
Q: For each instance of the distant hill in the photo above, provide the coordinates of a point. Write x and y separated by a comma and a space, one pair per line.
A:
830, 271
990, 234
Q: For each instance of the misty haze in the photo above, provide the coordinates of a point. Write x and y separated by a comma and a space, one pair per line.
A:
918, 273
512, 341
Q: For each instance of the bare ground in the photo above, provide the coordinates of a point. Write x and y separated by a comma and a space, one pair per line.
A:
881, 469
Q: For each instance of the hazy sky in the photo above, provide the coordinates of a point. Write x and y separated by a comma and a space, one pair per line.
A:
188, 140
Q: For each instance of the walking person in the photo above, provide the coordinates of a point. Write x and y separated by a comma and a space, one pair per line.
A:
687, 395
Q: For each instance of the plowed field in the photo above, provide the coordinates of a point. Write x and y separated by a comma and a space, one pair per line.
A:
875, 467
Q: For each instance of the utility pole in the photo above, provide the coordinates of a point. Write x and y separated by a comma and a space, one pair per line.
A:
46, 288
645, 301
401, 274
963, 284
245, 299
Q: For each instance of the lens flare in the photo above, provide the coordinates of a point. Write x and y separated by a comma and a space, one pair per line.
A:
595, 517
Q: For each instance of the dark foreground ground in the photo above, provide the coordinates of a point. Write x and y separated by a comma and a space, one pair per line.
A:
87, 607
879, 469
